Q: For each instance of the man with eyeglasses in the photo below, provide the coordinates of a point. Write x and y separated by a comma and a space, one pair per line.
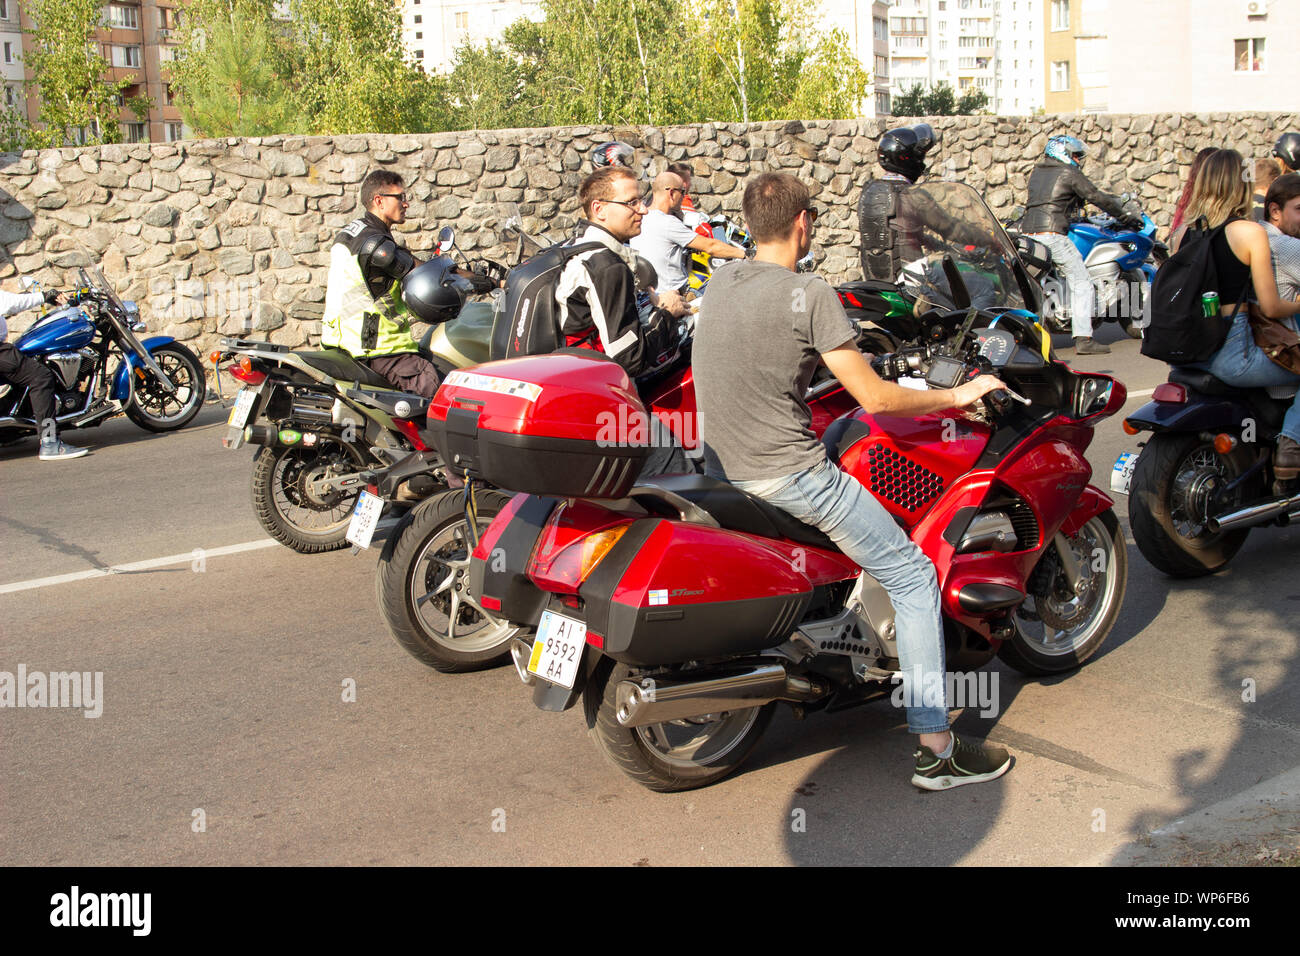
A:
665, 240
364, 312
762, 331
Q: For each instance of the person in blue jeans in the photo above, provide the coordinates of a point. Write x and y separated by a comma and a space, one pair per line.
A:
762, 330
1244, 263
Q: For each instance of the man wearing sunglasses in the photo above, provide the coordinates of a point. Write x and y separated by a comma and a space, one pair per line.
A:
666, 241
364, 312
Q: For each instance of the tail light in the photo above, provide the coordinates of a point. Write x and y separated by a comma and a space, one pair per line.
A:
1170, 392
848, 298
248, 377
407, 428
573, 565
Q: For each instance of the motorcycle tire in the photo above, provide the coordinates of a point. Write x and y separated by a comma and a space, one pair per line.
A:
648, 754
1170, 536
1131, 329
281, 503
1066, 628
186, 372
426, 557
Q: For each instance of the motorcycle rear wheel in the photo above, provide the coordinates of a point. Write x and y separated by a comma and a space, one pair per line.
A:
675, 755
1066, 628
281, 503
156, 410
423, 587
1166, 498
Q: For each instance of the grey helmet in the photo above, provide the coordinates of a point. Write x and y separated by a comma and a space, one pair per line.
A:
433, 291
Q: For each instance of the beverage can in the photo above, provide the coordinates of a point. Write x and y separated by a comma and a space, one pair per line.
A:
1210, 304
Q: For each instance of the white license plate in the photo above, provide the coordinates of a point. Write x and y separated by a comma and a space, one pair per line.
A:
243, 405
1122, 474
557, 649
365, 518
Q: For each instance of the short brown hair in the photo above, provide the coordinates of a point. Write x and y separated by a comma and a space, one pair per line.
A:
600, 185
683, 170
1284, 189
772, 203
376, 180
1266, 172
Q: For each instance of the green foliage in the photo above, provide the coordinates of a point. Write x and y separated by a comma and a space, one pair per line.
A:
77, 100
940, 101
225, 77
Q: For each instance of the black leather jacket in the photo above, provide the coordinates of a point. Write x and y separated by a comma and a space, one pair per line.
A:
1057, 195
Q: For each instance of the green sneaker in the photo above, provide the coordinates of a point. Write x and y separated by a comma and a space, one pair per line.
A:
969, 763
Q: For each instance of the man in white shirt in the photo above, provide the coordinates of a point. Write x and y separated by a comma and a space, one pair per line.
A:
665, 239
17, 369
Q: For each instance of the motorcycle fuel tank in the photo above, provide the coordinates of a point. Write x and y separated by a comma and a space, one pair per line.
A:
65, 330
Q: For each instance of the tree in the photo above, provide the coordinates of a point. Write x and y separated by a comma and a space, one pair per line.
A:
350, 73
78, 103
910, 102
484, 88
939, 101
225, 76
974, 100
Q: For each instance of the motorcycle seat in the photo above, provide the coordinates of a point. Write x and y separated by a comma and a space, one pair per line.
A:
336, 363
1201, 381
1264, 401
735, 510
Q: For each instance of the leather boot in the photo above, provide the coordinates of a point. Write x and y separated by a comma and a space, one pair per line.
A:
1286, 461
1086, 346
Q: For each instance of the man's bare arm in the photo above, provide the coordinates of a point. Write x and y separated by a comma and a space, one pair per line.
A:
885, 398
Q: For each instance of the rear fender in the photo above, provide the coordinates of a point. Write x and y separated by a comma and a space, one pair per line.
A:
1205, 414
121, 388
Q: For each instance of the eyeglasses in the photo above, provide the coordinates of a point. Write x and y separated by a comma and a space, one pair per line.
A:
400, 197
813, 212
675, 189
633, 204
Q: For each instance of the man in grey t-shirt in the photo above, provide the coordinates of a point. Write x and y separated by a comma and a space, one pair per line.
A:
756, 345
665, 240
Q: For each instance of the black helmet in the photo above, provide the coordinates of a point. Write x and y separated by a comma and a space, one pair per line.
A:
903, 150
433, 291
613, 154
1287, 149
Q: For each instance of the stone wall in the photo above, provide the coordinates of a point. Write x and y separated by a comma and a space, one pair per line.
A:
216, 237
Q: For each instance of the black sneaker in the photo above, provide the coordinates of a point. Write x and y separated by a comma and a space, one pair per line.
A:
969, 763
1086, 346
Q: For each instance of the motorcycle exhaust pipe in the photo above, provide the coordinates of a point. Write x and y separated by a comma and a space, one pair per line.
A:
1256, 514
653, 701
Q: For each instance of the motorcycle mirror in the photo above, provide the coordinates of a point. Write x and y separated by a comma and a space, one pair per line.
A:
446, 237
957, 285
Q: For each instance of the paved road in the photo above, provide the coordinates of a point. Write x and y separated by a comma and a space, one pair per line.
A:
223, 693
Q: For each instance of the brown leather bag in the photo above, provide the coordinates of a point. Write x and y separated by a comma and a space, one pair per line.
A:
1277, 340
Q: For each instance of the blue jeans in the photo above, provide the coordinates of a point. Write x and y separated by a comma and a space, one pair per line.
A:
837, 504
1242, 363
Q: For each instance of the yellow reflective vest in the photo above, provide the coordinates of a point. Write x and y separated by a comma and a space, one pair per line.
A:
354, 320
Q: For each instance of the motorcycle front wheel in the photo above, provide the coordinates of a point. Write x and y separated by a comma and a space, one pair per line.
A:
1059, 626
155, 409
285, 505
676, 754
423, 587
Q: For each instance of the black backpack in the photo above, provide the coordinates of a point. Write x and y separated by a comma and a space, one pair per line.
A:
1179, 331
528, 321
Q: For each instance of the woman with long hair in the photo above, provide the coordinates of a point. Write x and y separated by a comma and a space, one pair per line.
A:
1244, 264
1187, 188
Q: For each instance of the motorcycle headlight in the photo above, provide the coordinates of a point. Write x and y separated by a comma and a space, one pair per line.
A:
133, 317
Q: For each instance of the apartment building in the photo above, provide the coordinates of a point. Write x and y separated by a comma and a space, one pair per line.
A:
1076, 58
433, 29
866, 24
1204, 55
138, 39
988, 45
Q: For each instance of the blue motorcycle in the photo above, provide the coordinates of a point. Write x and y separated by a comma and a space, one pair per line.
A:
157, 383
1121, 262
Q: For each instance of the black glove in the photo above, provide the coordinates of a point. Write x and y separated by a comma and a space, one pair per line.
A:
52, 297
483, 283
1133, 223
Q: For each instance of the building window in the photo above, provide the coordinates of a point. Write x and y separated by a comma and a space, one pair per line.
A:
1249, 54
882, 67
462, 20
418, 18
169, 18
123, 17
419, 54
9, 52
882, 104
880, 28
173, 131
908, 24
4, 9
1060, 76
169, 95
135, 133
126, 56
419, 34
1060, 14
11, 96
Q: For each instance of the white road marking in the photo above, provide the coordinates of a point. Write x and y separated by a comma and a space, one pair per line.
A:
136, 566
1141, 394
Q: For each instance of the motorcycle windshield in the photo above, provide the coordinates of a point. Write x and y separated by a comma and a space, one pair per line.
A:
951, 220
